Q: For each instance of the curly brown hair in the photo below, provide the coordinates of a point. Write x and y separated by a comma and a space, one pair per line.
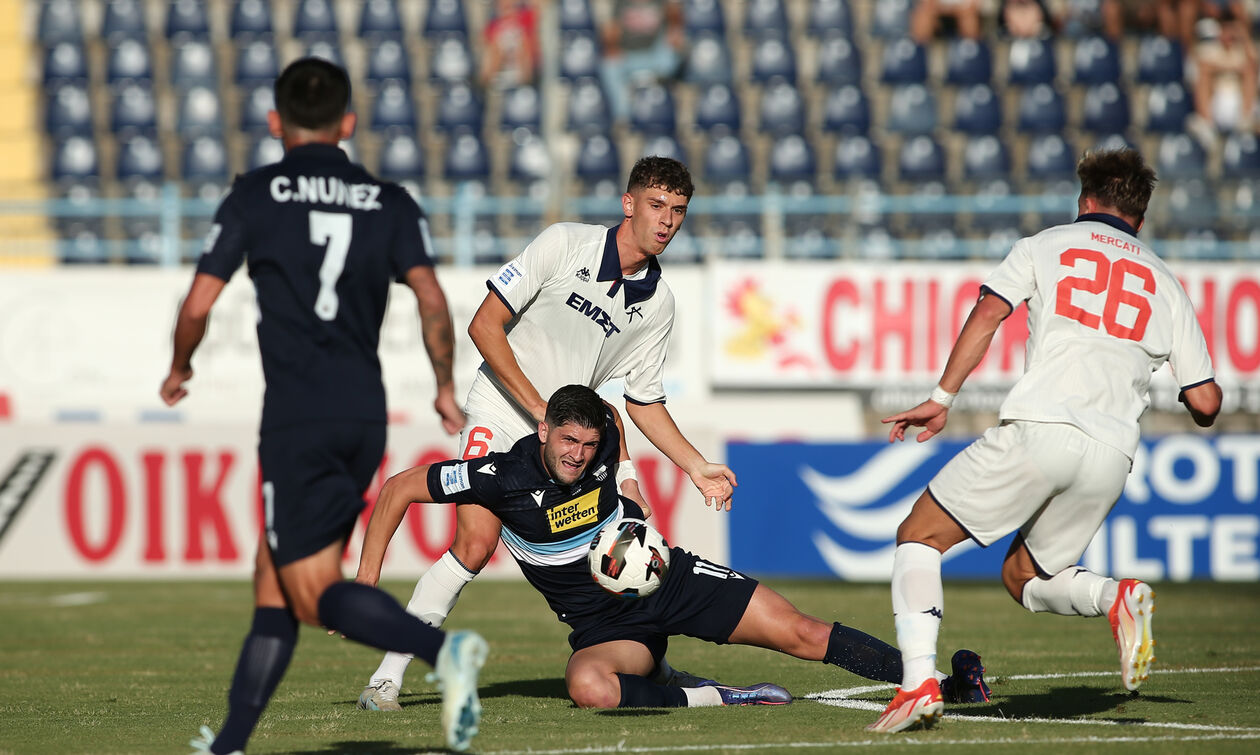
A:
656, 172
1118, 178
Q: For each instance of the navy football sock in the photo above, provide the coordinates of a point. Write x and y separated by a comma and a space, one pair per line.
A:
371, 616
864, 655
263, 660
638, 692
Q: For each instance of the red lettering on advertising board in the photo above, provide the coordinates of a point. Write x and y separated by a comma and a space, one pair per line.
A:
205, 506
95, 458
897, 323
430, 542
1244, 299
839, 357
663, 501
154, 506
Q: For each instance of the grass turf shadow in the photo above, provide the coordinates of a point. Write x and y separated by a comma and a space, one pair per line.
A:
1063, 702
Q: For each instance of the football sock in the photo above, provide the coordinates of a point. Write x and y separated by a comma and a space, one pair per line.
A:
638, 692
264, 657
372, 617
432, 600
918, 602
1075, 591
862, 654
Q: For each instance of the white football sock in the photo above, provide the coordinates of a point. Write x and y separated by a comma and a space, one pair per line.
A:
702, 697
918, 601
1075, 591
431, 601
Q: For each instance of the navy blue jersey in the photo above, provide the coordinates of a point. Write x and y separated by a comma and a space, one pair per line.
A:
323, 238
547, 527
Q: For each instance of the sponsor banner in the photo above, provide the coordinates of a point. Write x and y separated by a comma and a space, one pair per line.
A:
85, 501
1190, 510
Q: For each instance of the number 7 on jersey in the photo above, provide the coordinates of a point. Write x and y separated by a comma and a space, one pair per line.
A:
332, 229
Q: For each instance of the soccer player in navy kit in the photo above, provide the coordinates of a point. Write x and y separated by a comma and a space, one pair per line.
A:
323, 239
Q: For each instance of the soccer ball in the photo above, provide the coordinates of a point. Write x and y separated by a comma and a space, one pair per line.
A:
629, 559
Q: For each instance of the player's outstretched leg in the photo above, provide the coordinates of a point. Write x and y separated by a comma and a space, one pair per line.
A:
1130, 618
762, 693
455, 672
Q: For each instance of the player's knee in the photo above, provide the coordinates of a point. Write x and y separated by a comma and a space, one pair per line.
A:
592, 690
474, 548
1014, 583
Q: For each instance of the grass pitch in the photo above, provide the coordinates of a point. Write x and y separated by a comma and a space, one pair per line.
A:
136, 667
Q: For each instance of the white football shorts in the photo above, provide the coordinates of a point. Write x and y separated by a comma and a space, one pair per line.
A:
495, 423
1051, 481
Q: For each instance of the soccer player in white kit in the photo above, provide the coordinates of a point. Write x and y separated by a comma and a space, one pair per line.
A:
582, 304
1103, 314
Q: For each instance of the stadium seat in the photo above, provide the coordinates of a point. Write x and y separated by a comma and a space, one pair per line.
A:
458, 107
772, 58
314, 19
703, 16
587, 109
928, 216
205, 159
1106, 109
986, 158
575, 15
597, 160
200, 112
139, 159
652, 109
129, 62
1167, 107
325, 48
1104, 141
251, 19
263, 150
839, 61
579, 56
1095, 60
1240, 158
829, 17
708, 61
133, 111
387, 59
987, 218
1180, 157
968, 61
65, 62
1031, 62
765, 17
726, 161
1188, 206
904, 62
187, 19
256, 61
911, 110
466, 159
124, 19
75, 159
59, 22
1041, 110
522, 108
393, 109
793, 165
529, 160
1160, 61
891, 19
192, 63
401, 158
663, 145
921, 159
68, 110
1050, 159
857, 157
255, 103
717, 107
450, 59
445, 17
846, 110
977, 110
380, 19
782, 109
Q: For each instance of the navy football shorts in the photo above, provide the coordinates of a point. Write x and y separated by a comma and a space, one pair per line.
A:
314, 476
698, 599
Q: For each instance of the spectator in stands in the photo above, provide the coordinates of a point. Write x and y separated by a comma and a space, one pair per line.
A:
1026, 18
1226, 73
642, 39
1111, 18
947, 17
511, 43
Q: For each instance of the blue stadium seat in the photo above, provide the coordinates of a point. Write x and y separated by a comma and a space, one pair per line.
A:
325, 48
205, 159
124, 19
451, 59
59, 22
459, 107
134, 110
830, 16
401, 158
782, 109
263, 150
792, 162
987, 219
1050, 159
1041, 110
857, 157
968, 61
846, 110
1106, 109
445, 17
891, 19
256, 61
597, 160
588, 107
772, 58
1189, 206
314, 19
1160, 61
1095, 60
652, 109
977, 110
192, 63
1167, 107
904, 62
726, 161
522, 108
664, 145
709, 60
575, 15
529, 161
129, 62
1031, 62
911, 110
68, 110
1104, 141
200, 111
921, 159
839, 61
765, 16
985, 158
139, 158
387, 59
703, 16
1180, 158
717, 107
1240, 158
75, 159
250, 19
187, 19
380, 19
256, 102
579, 56
65, 62
393, 109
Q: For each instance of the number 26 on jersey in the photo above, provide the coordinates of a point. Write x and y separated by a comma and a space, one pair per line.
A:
1113, 278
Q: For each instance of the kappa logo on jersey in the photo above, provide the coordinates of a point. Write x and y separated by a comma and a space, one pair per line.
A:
454, 478
580, 511
584, 275
633, 312
537, 495
486, 469
508, 276
602, 472
592, 311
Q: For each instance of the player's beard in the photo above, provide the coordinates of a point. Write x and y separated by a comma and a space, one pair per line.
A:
559, 471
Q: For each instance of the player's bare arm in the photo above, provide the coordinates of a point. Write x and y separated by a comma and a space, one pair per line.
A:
969, 350
486, 331
439, 341
398, 492
190, 328
628, 487
1203, 401
716, 482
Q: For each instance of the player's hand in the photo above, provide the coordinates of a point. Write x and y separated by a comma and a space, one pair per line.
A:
929, 415
453, 418
716, 482
173, 389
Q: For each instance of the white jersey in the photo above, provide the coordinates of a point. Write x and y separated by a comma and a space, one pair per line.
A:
1103, 314
577, 320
